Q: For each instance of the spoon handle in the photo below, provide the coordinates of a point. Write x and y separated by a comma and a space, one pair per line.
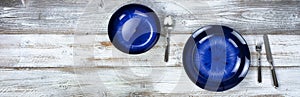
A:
167, 47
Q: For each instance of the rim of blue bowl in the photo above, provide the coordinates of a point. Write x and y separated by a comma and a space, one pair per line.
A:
132, 48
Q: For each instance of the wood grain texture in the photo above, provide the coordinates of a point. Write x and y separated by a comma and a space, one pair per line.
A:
61, 48
170, 81
96, 50
91, 16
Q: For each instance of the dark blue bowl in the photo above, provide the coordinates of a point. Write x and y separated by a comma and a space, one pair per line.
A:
134, 29
216, 58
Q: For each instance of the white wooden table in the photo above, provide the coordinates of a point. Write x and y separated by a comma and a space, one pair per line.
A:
61, 48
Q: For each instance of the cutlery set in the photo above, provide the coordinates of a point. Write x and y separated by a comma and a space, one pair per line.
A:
215, 57
258, 49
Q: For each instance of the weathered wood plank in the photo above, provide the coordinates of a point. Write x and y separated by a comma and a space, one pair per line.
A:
91, 16
96, 50
12, 3
42, 16
133, 81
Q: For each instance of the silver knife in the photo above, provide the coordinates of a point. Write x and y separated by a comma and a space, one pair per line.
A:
270, 59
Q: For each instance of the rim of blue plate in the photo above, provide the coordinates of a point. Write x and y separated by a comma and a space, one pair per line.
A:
216, 58
134, 28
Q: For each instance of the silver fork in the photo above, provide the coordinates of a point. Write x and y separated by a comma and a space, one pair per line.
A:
258, 48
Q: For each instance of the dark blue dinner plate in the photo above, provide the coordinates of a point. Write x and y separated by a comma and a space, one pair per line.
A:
216, 58
134, 29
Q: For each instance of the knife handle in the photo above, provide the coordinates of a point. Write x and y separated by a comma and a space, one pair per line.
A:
275, 81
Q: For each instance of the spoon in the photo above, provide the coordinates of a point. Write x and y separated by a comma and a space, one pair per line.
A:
168, 25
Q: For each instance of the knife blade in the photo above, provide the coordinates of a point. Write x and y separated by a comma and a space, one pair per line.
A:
270, 60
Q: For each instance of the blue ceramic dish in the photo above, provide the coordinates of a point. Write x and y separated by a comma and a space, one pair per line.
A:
216, 58
134, 29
